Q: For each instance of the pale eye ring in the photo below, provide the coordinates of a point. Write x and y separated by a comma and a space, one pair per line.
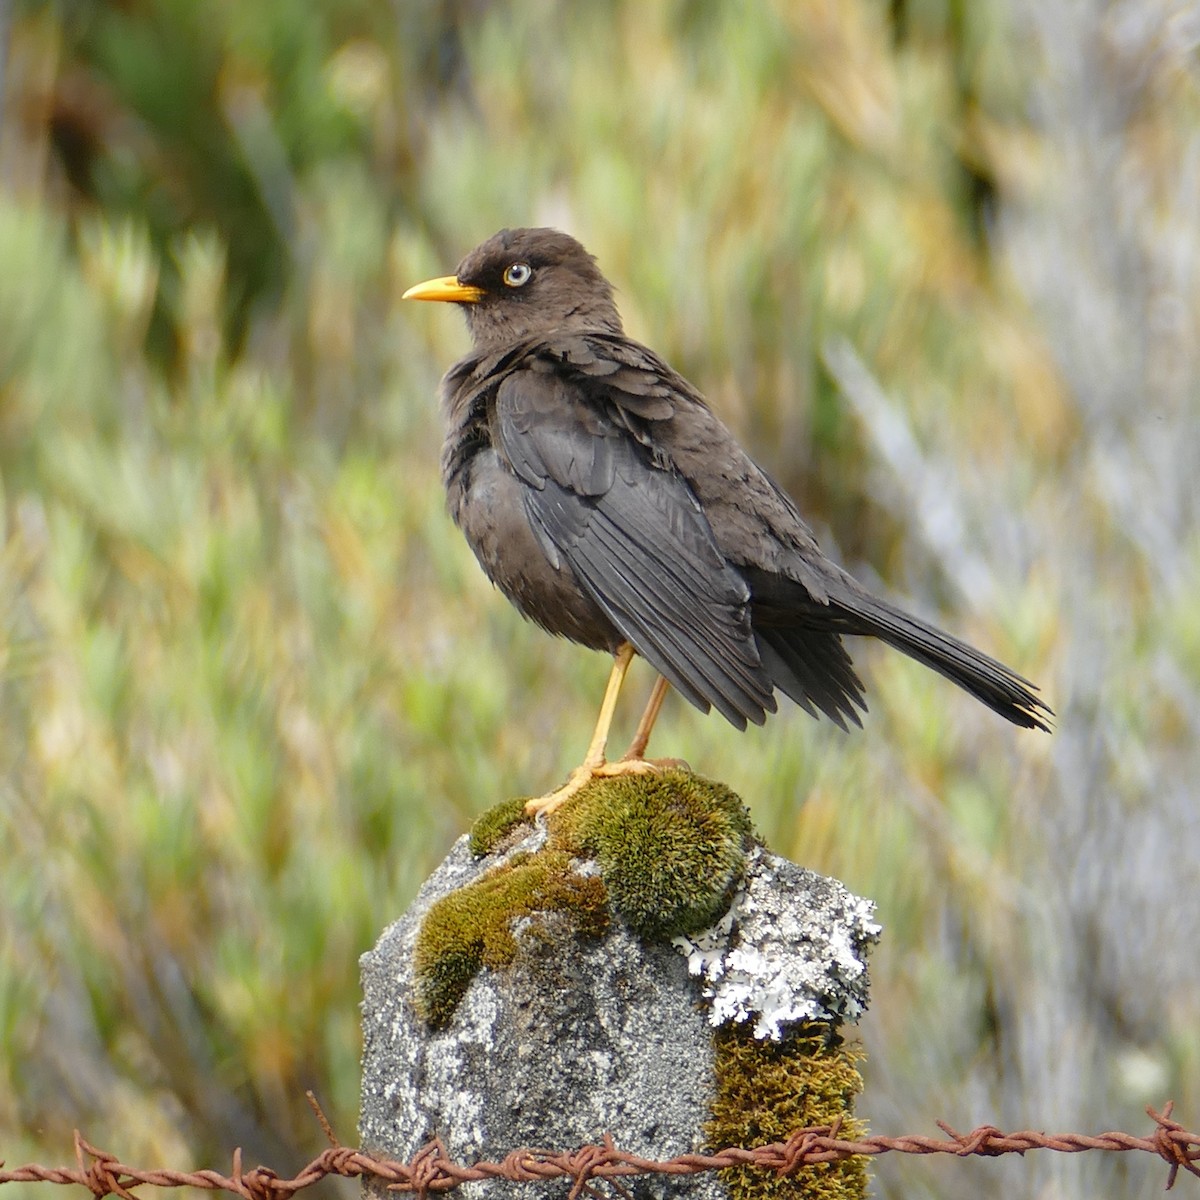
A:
518, 274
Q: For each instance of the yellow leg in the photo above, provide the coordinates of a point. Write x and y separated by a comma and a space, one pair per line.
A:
593, 763
608, 706
641, 738
635, 755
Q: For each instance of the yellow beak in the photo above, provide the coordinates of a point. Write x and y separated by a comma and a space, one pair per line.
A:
445, 288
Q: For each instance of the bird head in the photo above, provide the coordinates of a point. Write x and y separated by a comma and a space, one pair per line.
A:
524, 282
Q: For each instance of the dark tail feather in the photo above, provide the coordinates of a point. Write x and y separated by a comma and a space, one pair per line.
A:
989, 681
812, 667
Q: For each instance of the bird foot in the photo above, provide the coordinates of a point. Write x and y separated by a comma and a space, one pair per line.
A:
552, 801
583, 775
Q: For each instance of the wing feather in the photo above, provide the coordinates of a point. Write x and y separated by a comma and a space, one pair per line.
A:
636, 539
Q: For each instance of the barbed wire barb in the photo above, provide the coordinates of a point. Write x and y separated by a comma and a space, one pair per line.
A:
322, 1119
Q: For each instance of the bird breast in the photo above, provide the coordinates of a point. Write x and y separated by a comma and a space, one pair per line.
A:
485, 501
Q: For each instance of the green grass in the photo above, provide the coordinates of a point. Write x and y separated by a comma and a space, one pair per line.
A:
252, 683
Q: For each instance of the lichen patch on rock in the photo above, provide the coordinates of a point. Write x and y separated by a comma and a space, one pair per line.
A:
792, 947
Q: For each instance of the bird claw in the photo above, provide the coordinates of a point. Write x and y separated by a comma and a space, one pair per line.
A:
583, 775
552, 801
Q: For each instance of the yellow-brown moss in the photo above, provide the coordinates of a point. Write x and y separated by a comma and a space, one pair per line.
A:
767, 1090
472, 927
493, 826
670, 846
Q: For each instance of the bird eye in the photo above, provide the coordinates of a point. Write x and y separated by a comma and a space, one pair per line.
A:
518, 274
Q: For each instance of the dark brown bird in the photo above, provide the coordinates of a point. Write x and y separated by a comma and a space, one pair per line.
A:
604, 498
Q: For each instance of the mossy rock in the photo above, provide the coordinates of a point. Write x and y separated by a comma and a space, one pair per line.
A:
766, 1090
670, 848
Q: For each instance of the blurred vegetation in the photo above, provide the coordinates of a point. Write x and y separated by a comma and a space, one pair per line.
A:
937, 263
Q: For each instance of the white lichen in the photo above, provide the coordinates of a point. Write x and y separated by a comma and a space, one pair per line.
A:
792, 947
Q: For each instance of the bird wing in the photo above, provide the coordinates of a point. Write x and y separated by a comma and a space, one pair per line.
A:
633, 534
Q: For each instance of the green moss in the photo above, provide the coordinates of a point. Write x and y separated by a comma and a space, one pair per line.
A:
670, 846
472, 927
768, 1090
493, 826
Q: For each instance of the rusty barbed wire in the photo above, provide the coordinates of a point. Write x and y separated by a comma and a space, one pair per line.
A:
432, 1170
